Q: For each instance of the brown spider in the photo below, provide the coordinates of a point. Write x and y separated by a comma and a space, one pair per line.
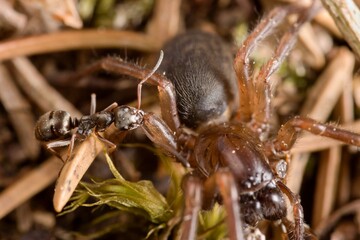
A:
216, 123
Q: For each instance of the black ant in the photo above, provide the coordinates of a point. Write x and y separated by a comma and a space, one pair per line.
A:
217, 123
54, 127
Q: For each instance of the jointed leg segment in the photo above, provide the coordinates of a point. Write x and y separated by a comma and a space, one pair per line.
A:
255, 93
221, 182
288, 133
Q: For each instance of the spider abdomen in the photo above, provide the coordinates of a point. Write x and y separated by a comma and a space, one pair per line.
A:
200, 66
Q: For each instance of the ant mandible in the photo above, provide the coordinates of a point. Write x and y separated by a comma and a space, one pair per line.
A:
217, 123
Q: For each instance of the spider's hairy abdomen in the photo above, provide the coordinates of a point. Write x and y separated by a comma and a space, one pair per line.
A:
200, 66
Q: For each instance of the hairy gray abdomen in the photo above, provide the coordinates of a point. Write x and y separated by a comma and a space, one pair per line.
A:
200, 66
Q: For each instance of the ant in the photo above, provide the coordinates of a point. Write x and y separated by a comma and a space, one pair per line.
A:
54, 127
216, 123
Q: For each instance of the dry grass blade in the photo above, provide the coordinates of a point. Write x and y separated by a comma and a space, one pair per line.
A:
74, 168
347, 17
315, 55
324, 19
328, 223
30, 184
166, 21
8, 16
47, 98
329, 86
326, 185
319, 104
38, 89
19, 111
69, 40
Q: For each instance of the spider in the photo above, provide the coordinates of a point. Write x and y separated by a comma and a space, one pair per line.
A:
216, 123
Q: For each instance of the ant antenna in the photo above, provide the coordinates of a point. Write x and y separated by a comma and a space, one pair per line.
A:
93, 103
148, 76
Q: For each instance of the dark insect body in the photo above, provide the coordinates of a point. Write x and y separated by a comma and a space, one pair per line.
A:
218, 125
54, 127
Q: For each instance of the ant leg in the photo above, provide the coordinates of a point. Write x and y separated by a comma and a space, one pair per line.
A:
111, 107
93, 104
111, 146
165, 87
261, 103
71, 146
228, 190
192, 188
59, 143
288, 134
297, 210
242, 64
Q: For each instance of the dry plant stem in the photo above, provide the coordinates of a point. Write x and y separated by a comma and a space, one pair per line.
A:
329, 86
326, 184
30, 184
307, 37
166, 21
346, 107
320, 103
324, 19
9, 16
70, 40
329, 166
65, 11
80, 160
328, 223
347, 17
356, 90
47, 99
19, 111
38, 89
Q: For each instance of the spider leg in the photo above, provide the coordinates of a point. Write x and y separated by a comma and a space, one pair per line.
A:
228, 190
288, 133
165, 87
261, 102
242, 63
192, 189
160, 134
224, 182
297, 210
